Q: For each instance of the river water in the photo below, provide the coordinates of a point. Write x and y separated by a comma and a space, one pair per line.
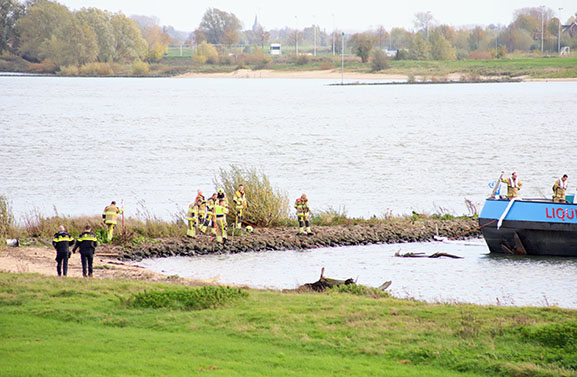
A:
75, 144
478, 277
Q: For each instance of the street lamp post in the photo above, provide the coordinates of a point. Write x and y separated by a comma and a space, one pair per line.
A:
559, 34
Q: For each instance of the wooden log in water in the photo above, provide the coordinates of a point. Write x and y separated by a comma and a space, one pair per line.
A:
423, 255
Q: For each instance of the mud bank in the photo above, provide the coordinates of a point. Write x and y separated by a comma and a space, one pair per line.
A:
287, 238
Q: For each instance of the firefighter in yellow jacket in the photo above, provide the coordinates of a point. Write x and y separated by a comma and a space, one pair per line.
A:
240, 205
201, 213
559, 189
302, 207
192, 217
220, 211
209, 220
110, 217
513, 186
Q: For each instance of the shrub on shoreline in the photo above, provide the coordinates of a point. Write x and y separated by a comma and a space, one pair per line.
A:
6, 219
267, 206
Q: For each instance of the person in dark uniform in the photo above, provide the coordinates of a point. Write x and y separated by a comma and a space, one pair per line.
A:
61, 242
87, 243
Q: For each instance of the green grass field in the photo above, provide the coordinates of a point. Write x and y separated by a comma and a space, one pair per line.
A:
74, 327
535, 67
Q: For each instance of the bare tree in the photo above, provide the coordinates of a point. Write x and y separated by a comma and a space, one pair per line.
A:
423, 21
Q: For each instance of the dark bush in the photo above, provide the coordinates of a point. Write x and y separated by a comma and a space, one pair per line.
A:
187, 299
379, 61
555, 335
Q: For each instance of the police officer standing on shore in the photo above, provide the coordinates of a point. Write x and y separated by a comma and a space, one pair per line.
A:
87, 243
61, 242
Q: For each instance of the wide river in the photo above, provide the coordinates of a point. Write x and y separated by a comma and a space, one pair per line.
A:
75, 144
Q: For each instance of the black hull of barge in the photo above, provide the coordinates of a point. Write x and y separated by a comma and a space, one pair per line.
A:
532, 238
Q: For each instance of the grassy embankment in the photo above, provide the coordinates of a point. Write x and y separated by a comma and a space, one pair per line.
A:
564, 67
514, 66
72, 327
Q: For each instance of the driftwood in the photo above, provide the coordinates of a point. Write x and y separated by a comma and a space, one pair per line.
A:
423, 255
385, 285
324, 283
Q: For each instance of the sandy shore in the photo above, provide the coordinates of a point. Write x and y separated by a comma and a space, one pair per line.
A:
40, 260
335, 74
116, 262
273, 74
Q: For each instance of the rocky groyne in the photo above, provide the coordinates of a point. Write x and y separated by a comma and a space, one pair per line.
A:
284, 238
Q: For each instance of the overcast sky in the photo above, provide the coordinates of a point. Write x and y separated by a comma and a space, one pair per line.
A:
355, 15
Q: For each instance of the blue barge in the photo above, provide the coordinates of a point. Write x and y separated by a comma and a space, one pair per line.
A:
530, 227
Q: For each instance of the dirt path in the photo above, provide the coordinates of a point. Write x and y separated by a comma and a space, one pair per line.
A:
40, 260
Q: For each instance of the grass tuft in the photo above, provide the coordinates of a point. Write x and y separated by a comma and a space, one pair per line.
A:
358, 290
186, 299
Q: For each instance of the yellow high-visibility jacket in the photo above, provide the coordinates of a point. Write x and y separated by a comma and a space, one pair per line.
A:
558, 190
192, 213
111, 214
302, 206
239, 200
512, 189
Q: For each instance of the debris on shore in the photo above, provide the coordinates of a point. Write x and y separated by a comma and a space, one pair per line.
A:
325, 283
423, 255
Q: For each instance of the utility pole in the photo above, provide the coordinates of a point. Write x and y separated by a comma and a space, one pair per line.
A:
315, 40
342, 57
297, 37
333, 34
559, 34
542, 27
428, 20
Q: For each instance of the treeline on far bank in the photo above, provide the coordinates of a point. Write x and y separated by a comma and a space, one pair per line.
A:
47, 37
267, 207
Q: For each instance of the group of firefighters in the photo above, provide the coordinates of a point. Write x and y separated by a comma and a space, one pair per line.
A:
211, 214
514, 185
202, 215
